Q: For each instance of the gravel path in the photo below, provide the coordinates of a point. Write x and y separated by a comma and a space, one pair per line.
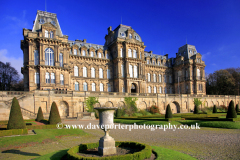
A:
206, 143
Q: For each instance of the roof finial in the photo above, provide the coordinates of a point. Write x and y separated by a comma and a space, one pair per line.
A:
45, 5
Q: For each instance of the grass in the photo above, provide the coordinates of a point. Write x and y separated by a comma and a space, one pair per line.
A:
162, 154
146, 122
42, 134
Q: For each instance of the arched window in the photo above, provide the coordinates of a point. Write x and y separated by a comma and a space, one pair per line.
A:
93, 87
154, 89
100, 73
84, 71
49, 57
52, 78
154, 78
131, 70
91, 53
109, 87
75, 52
99, 55
93, 72
76, 86
76, 71
160, 89
36, 77
47, 77
85, 88
130, 36
160, 78
121, 52
135, 72
61, 79
165, 90
134, 54
101, 87
46, 33
61, 59
36, 57
108, 74
149, 89
149, 77
51, 34
83, 53
123, 70
129, 53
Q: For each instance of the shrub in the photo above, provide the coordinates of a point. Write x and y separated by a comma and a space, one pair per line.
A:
130, 105
148, 114
15, 118
168, 112
40, 115
197, 102
231, 113
143, 112
154, 109
96, 113
137, 114
214, 109
119, 112
125, 115
90, 101
54, 117
196, 110
237, 108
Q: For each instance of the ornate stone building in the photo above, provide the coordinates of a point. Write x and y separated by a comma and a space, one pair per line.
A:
52, 62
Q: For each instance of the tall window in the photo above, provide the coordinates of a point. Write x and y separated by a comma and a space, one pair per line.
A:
84, 71
149, 89
75, 52
46, 33
122, 69
61, 59
160, 89
186, 73
91, 53
100, 73
170, 90
165, 90
47, 77
109, 87
149, 77
51, 34
52, 78
129, 53
159, 63
154, 89
134, 54
160, 78
93, 72
198, 73
121, 52
153, 62
154, 78
107, 56
93, 87
165, 78
83, 53
85, 88
108, 74
130, 36
76, 71
148, 61
101, 87
131, 70
36, 57
140, 56
99, 55
123, 89
170, 79
36, 77
49, 57
76, 86
135, 72
61, 79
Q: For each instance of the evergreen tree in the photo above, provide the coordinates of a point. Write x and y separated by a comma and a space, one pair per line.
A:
196, 111
231, 113
168, 112
214, 109
237, 108
39, 115
54, 117
15, 118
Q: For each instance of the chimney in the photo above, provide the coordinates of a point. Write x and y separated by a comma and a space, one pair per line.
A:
109, 29
84, 40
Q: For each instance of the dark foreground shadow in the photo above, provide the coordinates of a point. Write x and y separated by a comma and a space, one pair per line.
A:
15, 151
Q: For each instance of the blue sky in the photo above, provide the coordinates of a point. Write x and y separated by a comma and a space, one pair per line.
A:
213, 26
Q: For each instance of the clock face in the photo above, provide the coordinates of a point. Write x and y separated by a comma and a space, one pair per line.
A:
53, 22
41, 21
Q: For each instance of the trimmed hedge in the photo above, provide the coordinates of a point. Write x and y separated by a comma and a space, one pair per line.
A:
168, 112
42, 127
13, 132
54, 117
145, 152
231, 113
39, 115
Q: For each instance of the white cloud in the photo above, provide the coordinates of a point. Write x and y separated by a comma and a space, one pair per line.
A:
205, 55
16, 62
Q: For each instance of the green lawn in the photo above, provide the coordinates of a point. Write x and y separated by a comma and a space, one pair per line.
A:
146, 122
42, 134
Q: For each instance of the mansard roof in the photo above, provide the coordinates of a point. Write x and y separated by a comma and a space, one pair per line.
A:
121, 32
87, 45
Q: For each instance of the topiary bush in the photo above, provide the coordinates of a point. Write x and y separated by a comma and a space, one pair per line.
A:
231, 113
168, 112
40, 115
237, 108
196, 110
54, 117
15, 118
214, 109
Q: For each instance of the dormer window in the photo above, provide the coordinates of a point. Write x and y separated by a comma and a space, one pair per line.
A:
51, 34
190, 51
137, 37
41, 21
75, 52
130, 36
53, 23
122, 34
195, 52
46, 34
148, 61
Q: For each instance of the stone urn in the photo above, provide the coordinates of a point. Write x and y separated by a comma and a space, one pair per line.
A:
106, 143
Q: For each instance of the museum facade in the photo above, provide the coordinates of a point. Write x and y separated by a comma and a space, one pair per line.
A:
53, 62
